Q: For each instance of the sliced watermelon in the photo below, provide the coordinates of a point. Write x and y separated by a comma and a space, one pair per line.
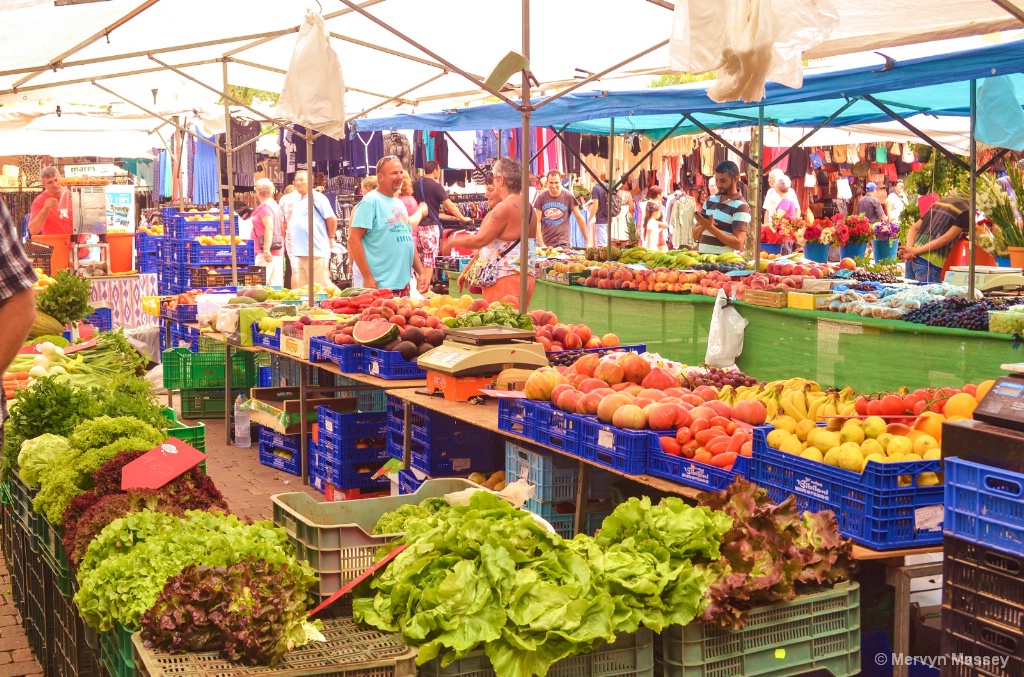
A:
374, 333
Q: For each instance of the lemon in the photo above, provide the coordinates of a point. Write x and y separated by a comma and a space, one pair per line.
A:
878, 458
787, 423
776, 437
825, 440
832, 456
791, 445
812, 454
874, 426
924, 444
899, 445
927, 479
932, 454
803, 428
852, 433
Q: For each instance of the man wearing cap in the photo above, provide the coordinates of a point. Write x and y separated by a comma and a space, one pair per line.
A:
870, 206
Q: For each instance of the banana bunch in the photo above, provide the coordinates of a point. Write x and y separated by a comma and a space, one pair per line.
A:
729, 257
804, 400
746, 393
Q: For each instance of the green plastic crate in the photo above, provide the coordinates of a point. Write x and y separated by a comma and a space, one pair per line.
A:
71, 653
194, 435
51, 549
37, 618
185, 369
111, 656
815, 631
209, 345
632, 655
204, 403
5, 492
21, 499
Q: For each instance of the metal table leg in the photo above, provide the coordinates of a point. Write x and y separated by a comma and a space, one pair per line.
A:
900, 576
229, 404
582, 489
303, 424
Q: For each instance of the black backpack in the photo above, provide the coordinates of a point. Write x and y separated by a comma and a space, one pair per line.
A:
603, 198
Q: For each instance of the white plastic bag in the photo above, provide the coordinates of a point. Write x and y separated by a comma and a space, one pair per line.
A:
748, 42
725, 340
1000, 119
314, 91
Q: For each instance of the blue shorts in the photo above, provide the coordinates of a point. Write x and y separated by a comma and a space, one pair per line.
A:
923, 270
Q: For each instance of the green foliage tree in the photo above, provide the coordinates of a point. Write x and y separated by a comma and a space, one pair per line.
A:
680, 79
249, 95
938, 175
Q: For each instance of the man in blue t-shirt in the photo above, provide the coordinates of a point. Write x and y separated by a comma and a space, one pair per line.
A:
325, 223
723, 222
380, 239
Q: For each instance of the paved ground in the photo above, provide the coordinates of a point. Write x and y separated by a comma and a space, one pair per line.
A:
246, 485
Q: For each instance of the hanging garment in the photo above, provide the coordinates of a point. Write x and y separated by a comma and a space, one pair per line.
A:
368, 148
243, 159
843, 191
205, 188
707, 158
29, 167
398, 145
682, 219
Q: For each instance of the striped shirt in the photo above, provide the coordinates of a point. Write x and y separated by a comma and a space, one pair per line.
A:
731, 216
16, 275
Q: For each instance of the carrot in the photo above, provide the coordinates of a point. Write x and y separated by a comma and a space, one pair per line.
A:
718, 445
723, 461
705, 436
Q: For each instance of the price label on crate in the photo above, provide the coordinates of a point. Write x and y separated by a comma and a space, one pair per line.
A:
928, 518
159, 466
606, 439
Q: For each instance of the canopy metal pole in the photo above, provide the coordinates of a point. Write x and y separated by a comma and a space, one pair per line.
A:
310, 206
650, 152
611, 187
757, 169
597, 76
525, 250
972, 225
230, 172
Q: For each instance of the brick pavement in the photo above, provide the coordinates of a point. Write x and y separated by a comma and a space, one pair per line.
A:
247, 486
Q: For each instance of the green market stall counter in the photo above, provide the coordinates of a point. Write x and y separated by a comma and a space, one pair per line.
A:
832, 348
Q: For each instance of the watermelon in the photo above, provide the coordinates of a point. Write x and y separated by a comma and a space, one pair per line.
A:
374, 333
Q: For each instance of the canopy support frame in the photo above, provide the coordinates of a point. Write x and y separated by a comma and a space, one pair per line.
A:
525, 250
572, 151
972, 225
459, 147
809, 134
597, 76
716, 136
646, 155
917, 132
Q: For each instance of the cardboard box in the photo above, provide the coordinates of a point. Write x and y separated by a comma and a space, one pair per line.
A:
299, 346
809, 300
246, 318
279, 409
768, 299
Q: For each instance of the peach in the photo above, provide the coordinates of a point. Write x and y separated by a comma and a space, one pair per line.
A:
588, 403
612, 403
591, 384
609, 372
629, 416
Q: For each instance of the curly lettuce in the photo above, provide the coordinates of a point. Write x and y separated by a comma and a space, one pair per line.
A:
37, 453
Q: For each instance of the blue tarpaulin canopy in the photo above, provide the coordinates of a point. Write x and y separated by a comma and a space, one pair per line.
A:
938, 85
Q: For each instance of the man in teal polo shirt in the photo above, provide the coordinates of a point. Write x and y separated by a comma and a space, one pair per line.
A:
380, 239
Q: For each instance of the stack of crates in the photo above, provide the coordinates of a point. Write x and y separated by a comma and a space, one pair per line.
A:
555, 478
441, 446
181, 253
149, 252
201, 379
983, 567
351, 447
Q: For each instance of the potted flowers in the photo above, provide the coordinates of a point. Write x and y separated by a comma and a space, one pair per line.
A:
886, 240
818, 237
856, 233
779, 232
998, 207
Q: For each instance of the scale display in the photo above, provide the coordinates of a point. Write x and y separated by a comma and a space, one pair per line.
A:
1003, 405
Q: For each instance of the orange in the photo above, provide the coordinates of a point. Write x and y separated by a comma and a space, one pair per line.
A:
983, 388
960, 404
931, 424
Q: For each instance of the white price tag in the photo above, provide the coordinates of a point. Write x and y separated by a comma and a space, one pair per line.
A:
462, 464
374, 368
928, 518
606, 439
329, 425
524, 472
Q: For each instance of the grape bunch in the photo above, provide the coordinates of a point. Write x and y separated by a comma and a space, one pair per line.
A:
958, 312
565, 358
862, 286
717, 378
867, 276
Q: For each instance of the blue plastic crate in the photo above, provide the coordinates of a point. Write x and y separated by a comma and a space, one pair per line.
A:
270, 440
616, 448
872, 508
693, 474
389, 364
149, 262
176, 226
348, 357
182, 312
555, 509
261, 340
346, 474
407, 482
555, 428
354, 436
102, 319
263, 377
220, 254
985, 505
148, 244
631, 348
459, 456
513, 418
554, 476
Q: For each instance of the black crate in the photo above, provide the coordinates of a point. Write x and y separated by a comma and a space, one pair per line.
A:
16, 564
39, 254
37, 619
983, 582
966, 641
70, 654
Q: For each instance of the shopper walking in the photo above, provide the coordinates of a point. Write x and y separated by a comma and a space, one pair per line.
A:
870, 206
429, 191
498, 242
724, 219
598, 211
325, 222
17, 300
287, 204
555, 205
380, 239
267, 236
656, 230
896, 202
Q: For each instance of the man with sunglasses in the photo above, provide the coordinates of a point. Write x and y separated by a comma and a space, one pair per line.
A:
380, 240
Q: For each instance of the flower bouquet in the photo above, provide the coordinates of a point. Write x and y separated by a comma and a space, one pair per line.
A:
886, 240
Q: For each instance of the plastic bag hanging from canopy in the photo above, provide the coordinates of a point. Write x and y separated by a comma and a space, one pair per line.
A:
747, 42
314, 91
1000, 118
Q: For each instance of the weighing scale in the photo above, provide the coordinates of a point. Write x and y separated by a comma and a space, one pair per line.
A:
987, 278
471, 357
89, 213
1003, 404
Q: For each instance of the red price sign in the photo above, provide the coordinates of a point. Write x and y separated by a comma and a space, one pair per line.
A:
159, 466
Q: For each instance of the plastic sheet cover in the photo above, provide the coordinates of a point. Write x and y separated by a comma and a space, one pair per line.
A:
314, 91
